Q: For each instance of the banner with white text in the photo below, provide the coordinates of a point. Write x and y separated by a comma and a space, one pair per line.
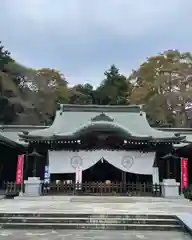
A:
184, 173
19, 172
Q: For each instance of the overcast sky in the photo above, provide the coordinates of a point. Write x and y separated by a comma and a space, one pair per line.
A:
82, 38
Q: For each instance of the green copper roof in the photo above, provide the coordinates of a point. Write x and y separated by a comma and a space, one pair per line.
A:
72, 120
11, 140
99, 108
10, 133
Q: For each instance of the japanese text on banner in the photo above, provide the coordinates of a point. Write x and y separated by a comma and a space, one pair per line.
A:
184, 173
19, 172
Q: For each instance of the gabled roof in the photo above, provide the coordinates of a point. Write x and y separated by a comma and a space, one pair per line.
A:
11, 132
72, 120
11, 142
183, 132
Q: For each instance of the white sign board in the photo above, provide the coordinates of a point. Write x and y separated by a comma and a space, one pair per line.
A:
78, 176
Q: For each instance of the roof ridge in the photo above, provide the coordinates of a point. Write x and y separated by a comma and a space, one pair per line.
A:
100, 108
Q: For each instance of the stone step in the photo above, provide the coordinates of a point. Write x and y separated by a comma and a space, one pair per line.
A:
112, 199
94, 220
92, 226
89, 221
88, 215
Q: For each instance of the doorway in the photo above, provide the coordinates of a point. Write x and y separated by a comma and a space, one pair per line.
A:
101, 172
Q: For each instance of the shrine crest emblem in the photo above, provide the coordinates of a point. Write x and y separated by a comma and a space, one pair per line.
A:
127, 162
76, 161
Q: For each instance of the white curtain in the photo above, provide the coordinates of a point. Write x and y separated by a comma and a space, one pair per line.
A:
129, 161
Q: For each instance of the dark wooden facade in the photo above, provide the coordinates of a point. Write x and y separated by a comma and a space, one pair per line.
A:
78, 127
167, 168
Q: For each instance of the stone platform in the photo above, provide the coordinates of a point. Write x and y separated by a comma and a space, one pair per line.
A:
143, 207
100, 205
96, 205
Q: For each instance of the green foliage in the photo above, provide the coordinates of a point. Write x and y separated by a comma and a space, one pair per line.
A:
81, 94
5, 57
163, 84
115, 88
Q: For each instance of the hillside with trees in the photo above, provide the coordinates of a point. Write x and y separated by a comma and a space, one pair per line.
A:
163, 84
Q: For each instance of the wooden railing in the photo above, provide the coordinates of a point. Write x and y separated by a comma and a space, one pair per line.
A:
11, 188
93, 188
100, 188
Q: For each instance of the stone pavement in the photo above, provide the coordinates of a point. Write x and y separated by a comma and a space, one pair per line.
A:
92, 235
104, 205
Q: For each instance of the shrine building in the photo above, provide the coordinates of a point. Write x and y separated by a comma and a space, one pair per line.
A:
113, 143
107, 143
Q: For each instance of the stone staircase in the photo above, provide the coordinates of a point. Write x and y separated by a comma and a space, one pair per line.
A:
89, 221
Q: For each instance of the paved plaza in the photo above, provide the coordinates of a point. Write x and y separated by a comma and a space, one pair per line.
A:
94, 235
103, 205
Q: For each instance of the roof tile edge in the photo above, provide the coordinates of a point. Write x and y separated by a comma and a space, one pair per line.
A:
100, 108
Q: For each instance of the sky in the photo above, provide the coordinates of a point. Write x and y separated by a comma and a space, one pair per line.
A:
83, 38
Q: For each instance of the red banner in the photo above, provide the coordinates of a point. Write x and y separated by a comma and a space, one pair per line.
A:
19, 172
184, 173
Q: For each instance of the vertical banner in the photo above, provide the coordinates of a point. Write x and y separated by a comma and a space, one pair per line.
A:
78, 176
19, 172
46, 175
184, 173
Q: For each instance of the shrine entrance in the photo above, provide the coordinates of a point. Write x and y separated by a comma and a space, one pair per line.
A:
102, 171
8, 164
104, 179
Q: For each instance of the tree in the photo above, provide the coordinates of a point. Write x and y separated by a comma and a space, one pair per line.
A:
51, 82
5, 57
114, 89
50, 79
82, 94
21, 75
163, 84
50, 86
176, 84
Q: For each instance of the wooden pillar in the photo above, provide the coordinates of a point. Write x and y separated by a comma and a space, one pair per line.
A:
25, 168
29, 162
124, 181
34, 166
137, 178
175, 169
37, 159
168, 168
